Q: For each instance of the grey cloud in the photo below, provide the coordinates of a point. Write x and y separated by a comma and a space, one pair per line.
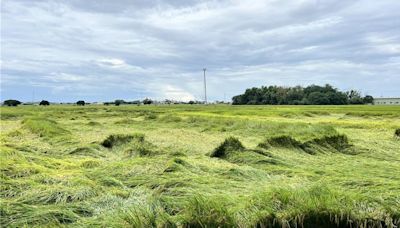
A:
131, 49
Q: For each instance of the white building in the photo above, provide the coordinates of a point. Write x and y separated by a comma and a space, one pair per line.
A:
387, 101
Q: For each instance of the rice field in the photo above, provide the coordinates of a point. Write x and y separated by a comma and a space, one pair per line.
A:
200, 166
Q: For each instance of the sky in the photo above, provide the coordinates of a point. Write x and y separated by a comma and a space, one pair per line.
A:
101, 50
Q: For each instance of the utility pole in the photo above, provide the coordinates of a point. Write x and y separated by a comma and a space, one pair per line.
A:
205, 86
33, 96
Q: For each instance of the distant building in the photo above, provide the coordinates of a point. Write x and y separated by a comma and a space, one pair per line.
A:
387, 101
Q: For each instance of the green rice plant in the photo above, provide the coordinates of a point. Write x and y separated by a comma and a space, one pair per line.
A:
8, 116
120, 139
90, 164
57, 195
44, 127
165, 180
282, 141
169, 118
139, 209
24, 215
110, 181
338, 143
230, 144
175, 165
140, 147
317, 205
202, 211
91, 151
150, 116
93, 123
397, 132
125, 121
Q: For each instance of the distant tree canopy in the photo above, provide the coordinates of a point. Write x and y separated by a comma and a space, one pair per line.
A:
44, 102
11, 102
368, 99
310, 95
147, 101
119, 102
81, 103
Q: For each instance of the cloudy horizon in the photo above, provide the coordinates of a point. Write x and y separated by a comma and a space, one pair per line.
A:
64, 51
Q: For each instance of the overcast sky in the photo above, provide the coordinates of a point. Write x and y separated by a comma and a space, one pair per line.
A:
101, 50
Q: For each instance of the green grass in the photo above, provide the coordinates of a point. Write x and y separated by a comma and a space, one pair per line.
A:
200, 166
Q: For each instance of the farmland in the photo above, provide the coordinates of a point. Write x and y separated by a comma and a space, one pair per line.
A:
200, 166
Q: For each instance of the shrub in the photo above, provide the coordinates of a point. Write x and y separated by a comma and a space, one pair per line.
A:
80, 103
230, 144
44, 103
12, 102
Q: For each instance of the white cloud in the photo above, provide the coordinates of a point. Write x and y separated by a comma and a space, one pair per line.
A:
174, 93
112, 62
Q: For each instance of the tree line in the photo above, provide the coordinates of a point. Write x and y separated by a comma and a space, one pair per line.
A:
146, 101
298, 95
118, 102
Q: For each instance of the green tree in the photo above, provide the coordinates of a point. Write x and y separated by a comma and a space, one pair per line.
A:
318, 98
44, 103
147, 101
80, 103
368, 99
119, 102
12, 102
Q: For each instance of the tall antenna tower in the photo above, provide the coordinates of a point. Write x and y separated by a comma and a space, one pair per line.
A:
205, 86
